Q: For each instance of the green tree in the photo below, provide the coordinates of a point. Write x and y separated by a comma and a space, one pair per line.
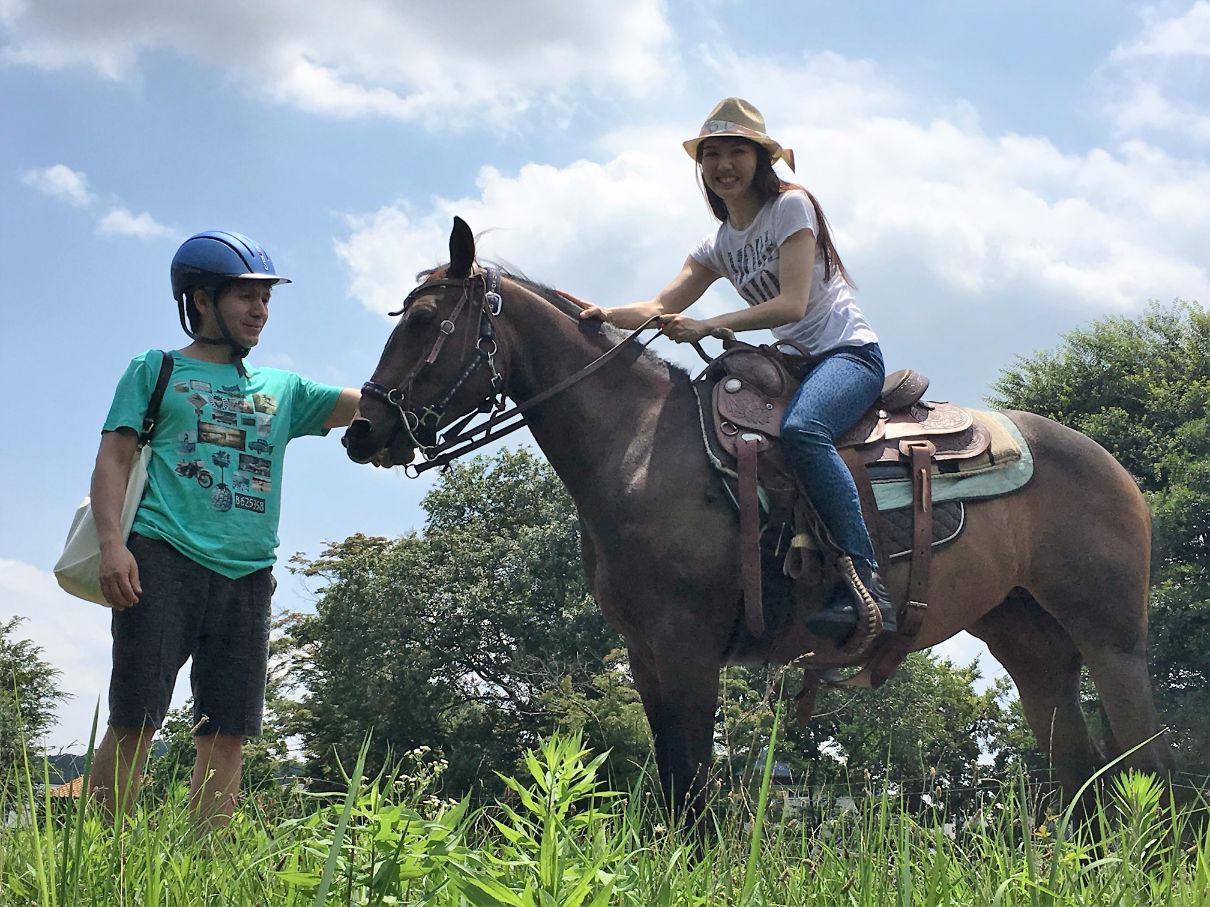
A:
608, 715
29, 694
457, 638
1141, 388
368, 660
927, 723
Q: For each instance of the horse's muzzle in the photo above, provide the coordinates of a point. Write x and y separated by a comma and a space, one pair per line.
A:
359, 441
367, 442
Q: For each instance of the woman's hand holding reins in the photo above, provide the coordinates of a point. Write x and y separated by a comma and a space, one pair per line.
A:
626, 317
683, 329
594, 311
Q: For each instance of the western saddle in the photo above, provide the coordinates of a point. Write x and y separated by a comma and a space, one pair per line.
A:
901, 436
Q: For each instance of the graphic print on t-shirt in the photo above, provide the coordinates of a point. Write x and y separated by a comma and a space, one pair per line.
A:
221, 498
750, 272
193, 469
230, 423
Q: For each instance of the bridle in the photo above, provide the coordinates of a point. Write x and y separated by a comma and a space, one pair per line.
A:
479, 290
489, 304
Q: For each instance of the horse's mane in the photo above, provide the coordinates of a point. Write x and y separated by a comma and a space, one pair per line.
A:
569, 308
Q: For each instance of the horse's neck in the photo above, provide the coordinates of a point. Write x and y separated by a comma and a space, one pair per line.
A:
598, 433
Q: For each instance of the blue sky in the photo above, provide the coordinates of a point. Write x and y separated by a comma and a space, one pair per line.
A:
996, 175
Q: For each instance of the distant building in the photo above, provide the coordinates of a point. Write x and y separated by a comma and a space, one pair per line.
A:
69, 789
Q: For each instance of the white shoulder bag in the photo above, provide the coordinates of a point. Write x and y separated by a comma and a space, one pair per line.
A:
78, 569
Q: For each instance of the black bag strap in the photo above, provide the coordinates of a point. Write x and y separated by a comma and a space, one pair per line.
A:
157, 395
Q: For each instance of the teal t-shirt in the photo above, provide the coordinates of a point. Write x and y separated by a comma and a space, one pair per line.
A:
215, 475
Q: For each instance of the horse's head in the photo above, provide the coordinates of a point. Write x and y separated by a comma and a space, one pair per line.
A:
438, 364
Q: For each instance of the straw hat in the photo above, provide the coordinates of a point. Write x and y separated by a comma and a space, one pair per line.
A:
736, 117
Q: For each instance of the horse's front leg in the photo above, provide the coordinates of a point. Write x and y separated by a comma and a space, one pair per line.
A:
678, 683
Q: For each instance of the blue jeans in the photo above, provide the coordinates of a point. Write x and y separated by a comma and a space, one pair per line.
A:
833, 397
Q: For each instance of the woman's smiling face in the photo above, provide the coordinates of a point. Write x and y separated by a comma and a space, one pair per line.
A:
728, 166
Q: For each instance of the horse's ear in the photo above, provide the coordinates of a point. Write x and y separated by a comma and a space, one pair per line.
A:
462, 249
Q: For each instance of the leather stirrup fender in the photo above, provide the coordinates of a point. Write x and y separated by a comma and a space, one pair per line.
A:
748, 444
920, 454
911, 613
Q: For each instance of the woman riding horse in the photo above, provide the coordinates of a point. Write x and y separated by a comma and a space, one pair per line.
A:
774, 245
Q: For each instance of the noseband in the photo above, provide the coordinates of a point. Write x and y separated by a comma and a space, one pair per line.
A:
484, 289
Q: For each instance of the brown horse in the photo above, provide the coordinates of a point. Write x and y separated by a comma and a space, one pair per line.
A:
1051, 577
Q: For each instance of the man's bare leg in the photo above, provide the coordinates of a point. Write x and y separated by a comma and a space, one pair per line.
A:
117, 769
216, 778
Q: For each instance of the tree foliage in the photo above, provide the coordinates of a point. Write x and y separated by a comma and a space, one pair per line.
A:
1141, 388
928, 723
29, 693
459, 637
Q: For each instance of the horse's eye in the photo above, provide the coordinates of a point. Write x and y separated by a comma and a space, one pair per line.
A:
422, 311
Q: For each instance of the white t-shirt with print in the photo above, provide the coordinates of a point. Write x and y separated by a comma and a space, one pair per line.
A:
749, 258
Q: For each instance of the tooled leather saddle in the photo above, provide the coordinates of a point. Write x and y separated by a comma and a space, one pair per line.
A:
901, 436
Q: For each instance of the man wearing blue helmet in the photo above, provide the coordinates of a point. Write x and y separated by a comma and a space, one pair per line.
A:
194, 579
209, 262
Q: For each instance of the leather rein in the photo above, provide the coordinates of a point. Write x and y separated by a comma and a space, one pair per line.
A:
480, 289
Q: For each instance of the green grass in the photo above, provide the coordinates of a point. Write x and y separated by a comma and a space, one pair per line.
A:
560, 837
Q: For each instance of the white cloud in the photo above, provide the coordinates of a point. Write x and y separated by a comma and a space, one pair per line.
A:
983, 214
1177, 36
430, 60
1144, 107
577, 227
61, 183
281, 360
121, 221
1156, 83
384, 251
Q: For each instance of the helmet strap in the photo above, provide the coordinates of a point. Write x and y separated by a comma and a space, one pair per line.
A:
239, 352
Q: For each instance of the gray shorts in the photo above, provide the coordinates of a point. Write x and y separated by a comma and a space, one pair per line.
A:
189, 610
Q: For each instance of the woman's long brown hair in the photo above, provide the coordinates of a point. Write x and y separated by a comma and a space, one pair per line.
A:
769, 185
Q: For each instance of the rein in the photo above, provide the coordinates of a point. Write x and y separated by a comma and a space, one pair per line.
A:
458, 437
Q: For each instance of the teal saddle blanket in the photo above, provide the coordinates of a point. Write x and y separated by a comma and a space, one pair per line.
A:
895, 490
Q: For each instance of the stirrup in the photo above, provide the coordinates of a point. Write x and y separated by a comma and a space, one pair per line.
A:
838, 619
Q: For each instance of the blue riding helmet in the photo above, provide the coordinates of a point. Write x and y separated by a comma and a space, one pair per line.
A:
216, 256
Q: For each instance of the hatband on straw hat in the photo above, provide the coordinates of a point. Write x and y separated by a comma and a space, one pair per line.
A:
737, 118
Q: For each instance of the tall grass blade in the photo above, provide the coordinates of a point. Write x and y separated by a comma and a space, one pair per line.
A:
329, 872
40, 868
74, 845
758, 823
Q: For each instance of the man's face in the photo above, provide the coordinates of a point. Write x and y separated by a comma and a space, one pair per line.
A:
244, 305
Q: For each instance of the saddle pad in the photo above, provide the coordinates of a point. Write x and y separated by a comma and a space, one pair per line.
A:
949, 518
1007, 466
